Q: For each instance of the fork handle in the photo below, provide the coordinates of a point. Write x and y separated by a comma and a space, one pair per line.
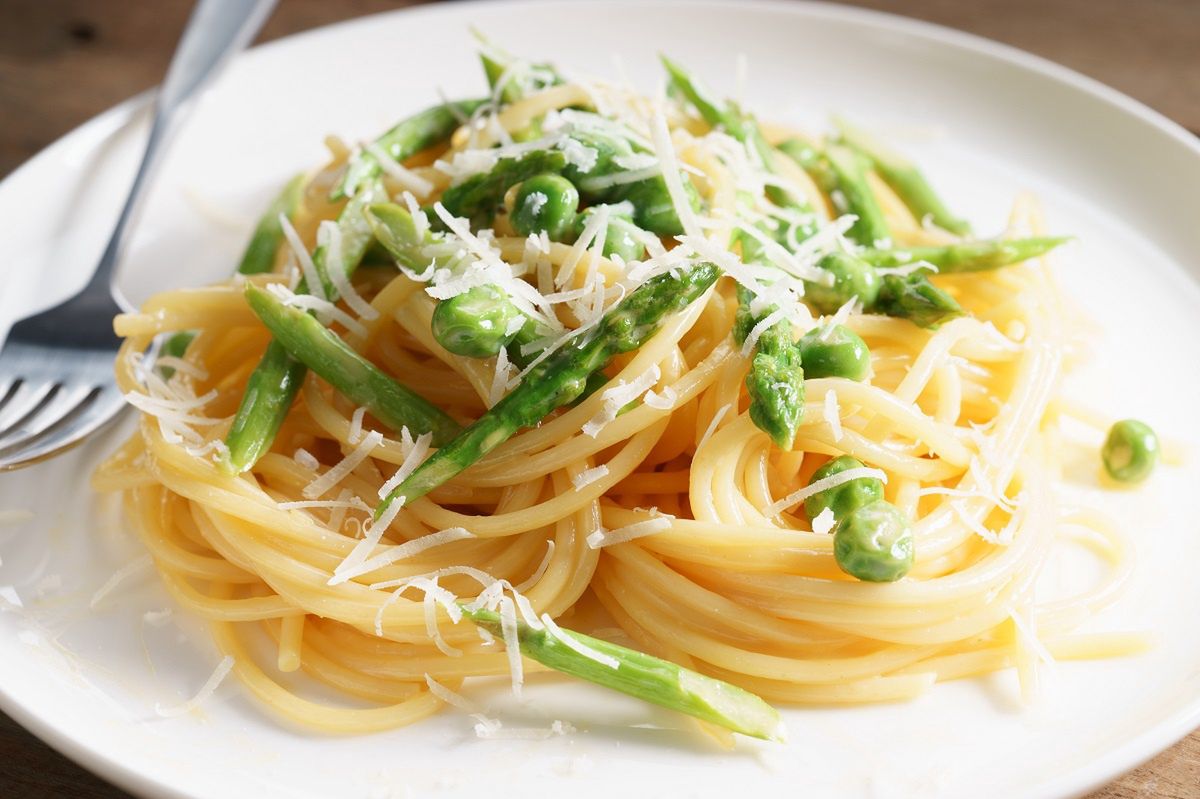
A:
215, 32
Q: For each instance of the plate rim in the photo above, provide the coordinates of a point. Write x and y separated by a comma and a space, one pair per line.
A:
1078, 781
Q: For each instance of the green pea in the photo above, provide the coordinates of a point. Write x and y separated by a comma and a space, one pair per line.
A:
852, 277
838, 352
874, 543
622, 237
475, 323
1130, 451
847, 497
545, 202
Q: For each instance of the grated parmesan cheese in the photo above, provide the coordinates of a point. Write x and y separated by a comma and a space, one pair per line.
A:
15, 516
306, 459
589, 476
325, 310
824, 522
356, 425
664, 149
207, 690
576, 645
357, 563
412, 459
606, 538
339, 471
409, 181
539, 572
617, 397
450, 697
662, 402
833, 481
833, 415
712, 425
329, 237
502, 375
316, 286
119, 576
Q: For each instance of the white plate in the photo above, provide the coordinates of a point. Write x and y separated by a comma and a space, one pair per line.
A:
986, 120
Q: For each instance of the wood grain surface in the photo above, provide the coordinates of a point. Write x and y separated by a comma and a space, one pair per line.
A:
63, 61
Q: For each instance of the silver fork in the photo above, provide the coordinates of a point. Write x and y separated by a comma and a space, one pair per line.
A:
56, 368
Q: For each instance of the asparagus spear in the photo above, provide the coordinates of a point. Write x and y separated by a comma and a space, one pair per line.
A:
904, 178
270, 392
478, 197
775, 381
318, 348
776, 378
396, 230
406, 139
713, 111
258, 257
522, 80
272, 386
653, 208
853, 195
966, 256
914, 297
739, 125
646, 677
561, 377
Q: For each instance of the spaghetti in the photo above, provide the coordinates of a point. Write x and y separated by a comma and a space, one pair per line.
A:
654, 502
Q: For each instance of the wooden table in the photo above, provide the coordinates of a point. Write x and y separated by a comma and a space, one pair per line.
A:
62, 61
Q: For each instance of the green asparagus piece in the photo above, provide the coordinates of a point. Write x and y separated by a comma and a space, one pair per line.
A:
272, 386
270, 391
812, 162
739, 125
523, 79
475, 323
776, 386
853, 195
713, 111
562, 376
653, 207
395, 229
621, 238
258, 257
318, 348
775, 381
914, 297
966, 256
652, 679
406, 139
904, 178
610, 144
174, 347
479, 197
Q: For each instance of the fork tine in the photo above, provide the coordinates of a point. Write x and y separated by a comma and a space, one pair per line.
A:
59, 410
8, 388
103, 406
27, 401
